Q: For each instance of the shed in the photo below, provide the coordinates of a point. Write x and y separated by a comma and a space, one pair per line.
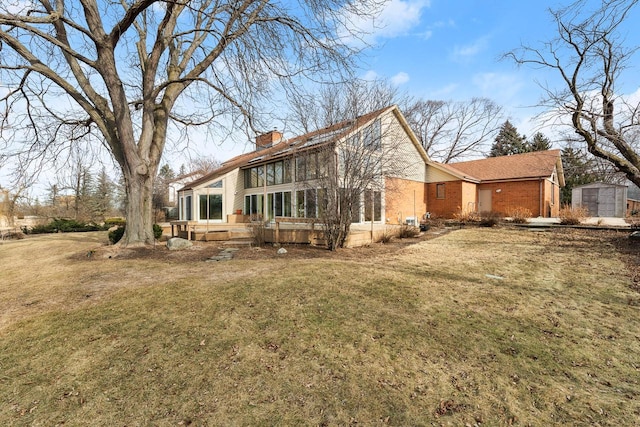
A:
601, 199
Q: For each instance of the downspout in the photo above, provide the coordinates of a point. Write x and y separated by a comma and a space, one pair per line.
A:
264, 193
541, 198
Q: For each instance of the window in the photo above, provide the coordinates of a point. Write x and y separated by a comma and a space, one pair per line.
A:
271, 174
306, 203
253, 204
310, 203
187, 202
372, 205
211, 206
372, 136
439, 191
217, 184
307, 167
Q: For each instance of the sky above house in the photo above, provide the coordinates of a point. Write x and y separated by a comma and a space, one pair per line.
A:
452, 50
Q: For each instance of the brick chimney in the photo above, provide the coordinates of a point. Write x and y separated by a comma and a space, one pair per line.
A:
266, 140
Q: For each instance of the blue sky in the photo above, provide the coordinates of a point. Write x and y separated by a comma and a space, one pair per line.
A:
451, 50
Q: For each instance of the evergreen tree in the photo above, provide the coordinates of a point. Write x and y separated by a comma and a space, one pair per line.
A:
539, 143
508, 142
102, 197
578, 169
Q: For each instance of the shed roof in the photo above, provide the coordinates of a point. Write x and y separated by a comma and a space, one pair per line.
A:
537, 164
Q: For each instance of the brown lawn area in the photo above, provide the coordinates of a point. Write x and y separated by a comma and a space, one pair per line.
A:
470, 326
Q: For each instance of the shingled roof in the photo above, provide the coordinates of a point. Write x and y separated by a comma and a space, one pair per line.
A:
284, 148
537, 164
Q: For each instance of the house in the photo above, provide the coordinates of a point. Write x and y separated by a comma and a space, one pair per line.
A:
497, 184
284, 178
601, 199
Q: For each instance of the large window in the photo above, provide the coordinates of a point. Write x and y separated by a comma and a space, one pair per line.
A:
253, 204
307, 203
211, 206
274, 173
278, 204
372, 205
372, 137
308, 166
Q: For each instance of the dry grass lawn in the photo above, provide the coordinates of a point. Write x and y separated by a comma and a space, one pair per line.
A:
475, 327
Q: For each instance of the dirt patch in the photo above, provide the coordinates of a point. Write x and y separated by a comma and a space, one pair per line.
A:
201, 251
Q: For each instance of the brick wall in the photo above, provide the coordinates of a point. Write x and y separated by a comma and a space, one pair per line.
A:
505, 196
404, 198
453, 201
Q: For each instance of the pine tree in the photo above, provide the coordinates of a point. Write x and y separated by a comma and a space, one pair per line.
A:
102, 197
578, 170
539, 143
508, 142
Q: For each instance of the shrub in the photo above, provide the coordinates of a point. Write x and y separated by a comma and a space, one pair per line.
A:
520, 215
64, 226
467, 216
388, 235
408, 231
258, 233
157, 231
116, 235
572, 216
490, 219
110, 222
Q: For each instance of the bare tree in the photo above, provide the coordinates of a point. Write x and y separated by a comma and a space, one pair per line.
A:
348, 175
451, 130
125, 74
590, 57
342, 101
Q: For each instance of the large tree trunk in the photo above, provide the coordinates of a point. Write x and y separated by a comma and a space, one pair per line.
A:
139, 209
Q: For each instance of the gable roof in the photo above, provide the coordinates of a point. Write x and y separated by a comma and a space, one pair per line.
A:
305, 142
537, 164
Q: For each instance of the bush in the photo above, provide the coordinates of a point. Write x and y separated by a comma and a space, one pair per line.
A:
408, 231
116, 235
157, 231
388, 235
60, 225
572, 216
520, 215
490, 219
110, 222
258, 233
466, 217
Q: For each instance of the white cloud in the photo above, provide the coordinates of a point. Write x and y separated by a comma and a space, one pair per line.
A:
464, 53
371, 76
444, 92
18, 7
400, 78
500, 87
395, 18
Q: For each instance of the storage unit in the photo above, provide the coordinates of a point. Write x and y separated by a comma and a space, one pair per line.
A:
601, 199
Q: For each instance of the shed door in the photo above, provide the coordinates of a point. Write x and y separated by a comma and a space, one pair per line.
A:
607, 201
590, 200
484, 200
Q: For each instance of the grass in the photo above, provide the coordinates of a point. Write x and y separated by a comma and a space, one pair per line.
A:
479, 326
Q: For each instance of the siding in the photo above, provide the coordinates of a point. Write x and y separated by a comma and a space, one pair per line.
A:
437, 175
407, 162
